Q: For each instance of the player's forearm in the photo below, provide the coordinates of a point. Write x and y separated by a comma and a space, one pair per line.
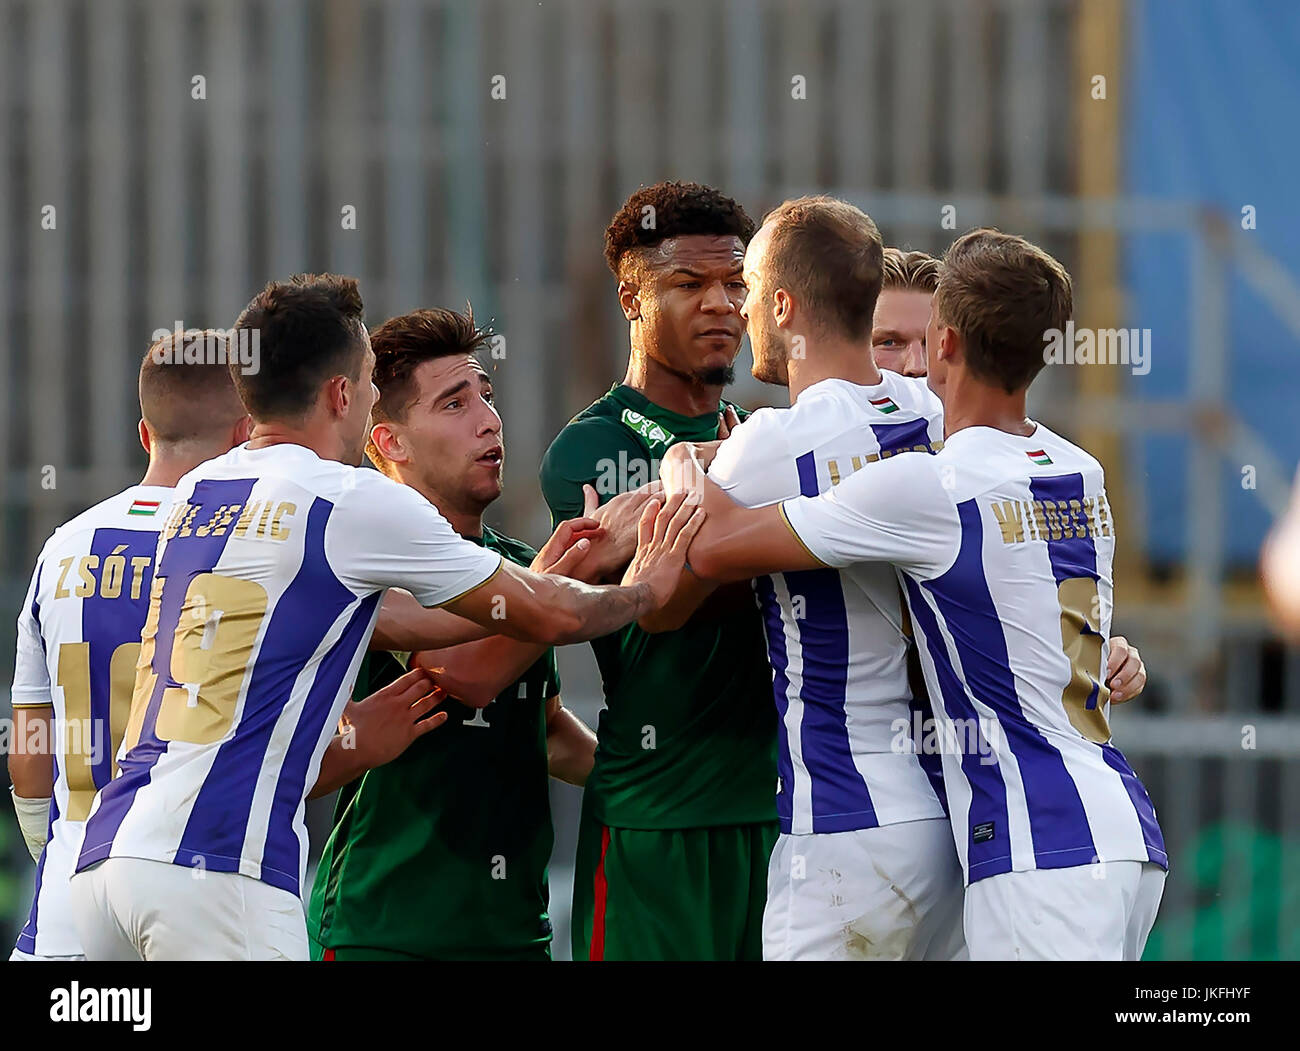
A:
582, 612
553, 610
343, 762
31, 760
475, 672
404, 626
570, 746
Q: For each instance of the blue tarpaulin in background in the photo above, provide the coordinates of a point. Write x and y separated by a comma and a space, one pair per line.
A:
1212, 115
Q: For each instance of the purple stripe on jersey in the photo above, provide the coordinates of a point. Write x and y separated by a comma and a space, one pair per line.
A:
1073, 556
184, 558
282, 853
36, 605
779, 660
27, 936
807, 468
1146, 811
988, 801
840, 799
922, 718
895, 437
304, 613
1058, 823
107, 623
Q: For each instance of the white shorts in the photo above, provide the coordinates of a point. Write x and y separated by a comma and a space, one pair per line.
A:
1087, 912
889, 893
18, 955
133, 909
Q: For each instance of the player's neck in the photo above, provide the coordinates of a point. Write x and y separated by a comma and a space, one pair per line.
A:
166, 469
838, 359
466, 521
669, 389
969, 403
321, 440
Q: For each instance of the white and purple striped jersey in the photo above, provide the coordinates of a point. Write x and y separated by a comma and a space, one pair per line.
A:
1005, 546
270, 572
836, 638
78, 642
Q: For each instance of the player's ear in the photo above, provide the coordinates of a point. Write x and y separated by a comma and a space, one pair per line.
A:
243, 429
949, 343
145, 441
388, 443
782, 308
629, 298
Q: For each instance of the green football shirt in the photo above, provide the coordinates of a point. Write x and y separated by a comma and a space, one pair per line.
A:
442, 853
688, 735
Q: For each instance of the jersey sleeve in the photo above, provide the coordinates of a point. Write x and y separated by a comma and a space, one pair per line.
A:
754, 466
893, 510
31, 686
585, 452
386, 535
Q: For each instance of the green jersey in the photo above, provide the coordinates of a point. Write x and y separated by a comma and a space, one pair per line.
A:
688, 737
442, 853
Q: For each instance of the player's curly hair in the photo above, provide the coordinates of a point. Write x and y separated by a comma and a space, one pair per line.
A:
672, 209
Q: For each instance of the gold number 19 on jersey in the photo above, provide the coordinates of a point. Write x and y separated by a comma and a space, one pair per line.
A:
211, 648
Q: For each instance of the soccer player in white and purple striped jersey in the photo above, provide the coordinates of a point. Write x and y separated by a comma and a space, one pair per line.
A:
268, 581
79, 631
1005, 544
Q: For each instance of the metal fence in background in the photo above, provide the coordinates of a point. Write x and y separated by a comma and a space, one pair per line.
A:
481, 148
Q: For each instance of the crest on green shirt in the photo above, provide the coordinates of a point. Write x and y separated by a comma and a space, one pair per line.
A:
648, 429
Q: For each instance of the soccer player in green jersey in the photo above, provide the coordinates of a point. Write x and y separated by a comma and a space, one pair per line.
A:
442, 854
678, 815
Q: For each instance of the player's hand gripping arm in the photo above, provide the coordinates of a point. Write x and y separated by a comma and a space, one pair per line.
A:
476, 672
404, 626
735, 542
556, 611
379, 728
1126, 673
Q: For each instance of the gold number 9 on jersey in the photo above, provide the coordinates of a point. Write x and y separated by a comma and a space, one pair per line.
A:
213, 641
1080, 604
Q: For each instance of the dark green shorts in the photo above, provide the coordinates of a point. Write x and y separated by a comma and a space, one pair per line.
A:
671, 894
350, 953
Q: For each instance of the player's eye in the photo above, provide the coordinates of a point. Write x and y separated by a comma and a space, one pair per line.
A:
453, 404
487, 396
740, 285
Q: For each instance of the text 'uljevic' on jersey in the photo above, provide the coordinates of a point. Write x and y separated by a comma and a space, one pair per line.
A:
269, 576
78, 644
1005, 544
836, 639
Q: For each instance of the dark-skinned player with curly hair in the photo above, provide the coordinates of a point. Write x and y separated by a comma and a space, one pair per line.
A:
678, 815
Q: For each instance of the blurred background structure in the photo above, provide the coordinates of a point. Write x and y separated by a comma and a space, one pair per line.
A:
161, 159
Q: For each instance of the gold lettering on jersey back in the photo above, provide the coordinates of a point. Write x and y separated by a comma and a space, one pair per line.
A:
833, 469
60, 589
1020, 520
1010, 521
285, 510
246, 517
85, 565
